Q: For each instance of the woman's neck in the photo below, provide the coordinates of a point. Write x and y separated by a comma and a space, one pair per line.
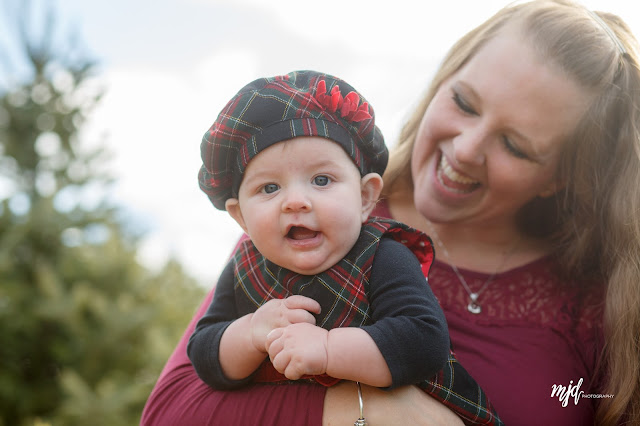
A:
477, 247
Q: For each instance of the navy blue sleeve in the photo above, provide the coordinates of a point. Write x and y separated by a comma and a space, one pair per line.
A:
204, 343
408, 326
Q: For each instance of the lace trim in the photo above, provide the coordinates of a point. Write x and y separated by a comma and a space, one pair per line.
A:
530, 295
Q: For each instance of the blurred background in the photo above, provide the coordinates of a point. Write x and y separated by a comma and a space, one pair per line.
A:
107, 245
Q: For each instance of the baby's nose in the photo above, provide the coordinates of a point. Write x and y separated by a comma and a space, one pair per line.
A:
296, 200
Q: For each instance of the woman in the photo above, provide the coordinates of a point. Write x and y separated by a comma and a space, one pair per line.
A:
523, 163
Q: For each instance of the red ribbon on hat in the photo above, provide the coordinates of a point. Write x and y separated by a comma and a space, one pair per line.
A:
348, 106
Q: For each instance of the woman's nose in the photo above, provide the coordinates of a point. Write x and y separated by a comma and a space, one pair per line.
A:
296, 200
469, 146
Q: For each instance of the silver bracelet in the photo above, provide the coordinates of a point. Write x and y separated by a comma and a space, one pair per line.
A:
361, 421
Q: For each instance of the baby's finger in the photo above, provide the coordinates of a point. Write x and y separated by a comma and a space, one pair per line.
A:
302, 302
280, 361
273, 337
299, 315
291, 372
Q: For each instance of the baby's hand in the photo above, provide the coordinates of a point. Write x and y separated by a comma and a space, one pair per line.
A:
298, 349
278, 313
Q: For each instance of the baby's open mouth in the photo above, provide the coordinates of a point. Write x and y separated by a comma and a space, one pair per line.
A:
301, 233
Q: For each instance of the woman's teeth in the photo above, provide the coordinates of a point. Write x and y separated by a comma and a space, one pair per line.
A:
454, 180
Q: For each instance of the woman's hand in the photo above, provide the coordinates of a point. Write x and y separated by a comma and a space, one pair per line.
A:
403, 406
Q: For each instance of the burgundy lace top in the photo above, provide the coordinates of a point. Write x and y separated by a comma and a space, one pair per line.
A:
534, 332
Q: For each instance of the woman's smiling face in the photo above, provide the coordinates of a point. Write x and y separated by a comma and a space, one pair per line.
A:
489, 141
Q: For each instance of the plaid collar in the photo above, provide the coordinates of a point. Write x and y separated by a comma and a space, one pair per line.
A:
341, 290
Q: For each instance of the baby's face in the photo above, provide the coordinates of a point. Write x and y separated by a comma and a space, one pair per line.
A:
300, 201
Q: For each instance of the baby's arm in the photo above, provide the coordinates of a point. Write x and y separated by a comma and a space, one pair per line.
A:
225, 349
408, 324
346, 353
407, 342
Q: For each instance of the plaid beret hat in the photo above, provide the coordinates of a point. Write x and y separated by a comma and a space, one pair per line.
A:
270, 110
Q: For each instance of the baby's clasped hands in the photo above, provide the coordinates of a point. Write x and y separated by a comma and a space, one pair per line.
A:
299, 349
279, 313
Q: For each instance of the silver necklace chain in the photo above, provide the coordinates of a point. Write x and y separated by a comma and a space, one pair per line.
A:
473, 306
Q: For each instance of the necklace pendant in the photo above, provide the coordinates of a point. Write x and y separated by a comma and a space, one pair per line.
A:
474, 307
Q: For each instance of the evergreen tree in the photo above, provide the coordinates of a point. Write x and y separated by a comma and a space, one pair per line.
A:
85, 329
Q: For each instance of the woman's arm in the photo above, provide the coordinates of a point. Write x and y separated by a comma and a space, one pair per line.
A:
402, 406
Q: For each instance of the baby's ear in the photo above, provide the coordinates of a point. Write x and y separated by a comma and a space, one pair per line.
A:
370, 188
232, 205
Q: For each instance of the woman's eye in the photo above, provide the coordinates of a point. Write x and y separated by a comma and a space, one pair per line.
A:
321, 180
513, 149
464, 107
269, 188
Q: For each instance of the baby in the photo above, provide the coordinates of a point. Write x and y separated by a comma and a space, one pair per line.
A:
320, 291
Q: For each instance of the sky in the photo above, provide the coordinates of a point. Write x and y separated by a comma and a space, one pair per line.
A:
169, 66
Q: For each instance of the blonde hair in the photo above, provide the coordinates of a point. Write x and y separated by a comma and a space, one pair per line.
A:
594, 222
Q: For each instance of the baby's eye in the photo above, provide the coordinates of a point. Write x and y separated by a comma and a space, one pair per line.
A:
270, 187
321, 180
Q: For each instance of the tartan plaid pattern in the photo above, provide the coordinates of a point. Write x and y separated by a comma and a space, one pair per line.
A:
341, 290
271, 110
454, 387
